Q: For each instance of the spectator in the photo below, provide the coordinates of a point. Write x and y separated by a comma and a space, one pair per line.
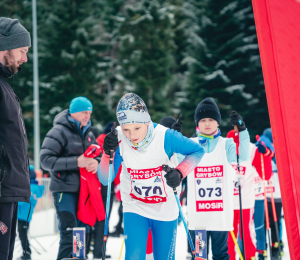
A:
14, 44
62, 155
25, 211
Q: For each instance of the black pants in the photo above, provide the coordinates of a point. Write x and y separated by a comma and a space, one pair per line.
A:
278, 208
219, 245
23, 227
8, 223
99, 226
66, 205
120, 212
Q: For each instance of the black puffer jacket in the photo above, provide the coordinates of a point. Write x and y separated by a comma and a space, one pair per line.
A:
14, 169
62, 146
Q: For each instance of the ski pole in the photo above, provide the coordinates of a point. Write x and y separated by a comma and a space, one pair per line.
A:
167, 169
236, 244
265, 198
108, 197
122, 248
275, 215
236, 130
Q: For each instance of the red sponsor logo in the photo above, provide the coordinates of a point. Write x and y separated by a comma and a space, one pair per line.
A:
144, 173
74, 245
257, 179
3, 228
209, 205
209, 172
242, 169
149, 200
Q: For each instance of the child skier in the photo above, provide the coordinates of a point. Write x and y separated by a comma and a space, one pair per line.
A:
210, 185
249, 172
146, 191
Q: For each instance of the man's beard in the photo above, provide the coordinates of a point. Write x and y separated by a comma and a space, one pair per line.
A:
9, 63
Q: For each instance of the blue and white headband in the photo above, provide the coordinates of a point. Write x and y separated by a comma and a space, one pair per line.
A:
132, 110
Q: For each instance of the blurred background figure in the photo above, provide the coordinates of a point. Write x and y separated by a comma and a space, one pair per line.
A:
25, 211
62, 154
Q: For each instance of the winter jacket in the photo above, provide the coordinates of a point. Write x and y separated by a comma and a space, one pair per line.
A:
61, 147
24, 207
14, 168
90, 204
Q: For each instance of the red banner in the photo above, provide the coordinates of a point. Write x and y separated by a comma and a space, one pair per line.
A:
277, 24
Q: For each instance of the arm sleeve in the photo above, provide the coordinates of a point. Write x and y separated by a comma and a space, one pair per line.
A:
103, 168
244, 148
267, 165
50, 155
175, 142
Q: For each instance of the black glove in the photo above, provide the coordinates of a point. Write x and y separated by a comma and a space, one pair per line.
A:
173, 176
110, 142
261, 148
177, 126
236, 119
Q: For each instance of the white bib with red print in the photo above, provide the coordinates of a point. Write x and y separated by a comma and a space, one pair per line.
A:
144, 189
246, 176
210, 191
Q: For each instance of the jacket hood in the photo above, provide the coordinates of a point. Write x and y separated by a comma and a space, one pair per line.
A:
62, 119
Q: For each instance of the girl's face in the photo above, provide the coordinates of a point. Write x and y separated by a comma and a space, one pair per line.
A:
208, 126
135, 132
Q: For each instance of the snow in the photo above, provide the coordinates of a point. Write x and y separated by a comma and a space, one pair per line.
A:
46, 247
215, 74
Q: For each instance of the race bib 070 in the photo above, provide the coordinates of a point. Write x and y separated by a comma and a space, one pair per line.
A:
209, 188
147, 185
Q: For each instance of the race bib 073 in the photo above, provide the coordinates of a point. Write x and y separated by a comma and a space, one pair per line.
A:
147, 185
209, 188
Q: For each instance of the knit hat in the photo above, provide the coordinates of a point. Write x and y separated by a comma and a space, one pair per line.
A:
207, 108
80, 104
13, 35
268, 133
167, 121
131, 109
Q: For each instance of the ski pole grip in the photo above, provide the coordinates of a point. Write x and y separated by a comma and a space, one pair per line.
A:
179, 118
236, 129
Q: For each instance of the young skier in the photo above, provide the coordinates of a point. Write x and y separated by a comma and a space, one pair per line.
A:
147, 191
249, 172
267, 137
210, 185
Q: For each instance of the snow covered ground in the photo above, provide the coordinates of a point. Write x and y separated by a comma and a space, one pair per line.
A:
46, 247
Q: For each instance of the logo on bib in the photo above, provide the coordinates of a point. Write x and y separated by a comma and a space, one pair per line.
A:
157, 179
198, 182
219, 180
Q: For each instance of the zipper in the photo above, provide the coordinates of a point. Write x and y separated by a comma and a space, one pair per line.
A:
2, 167
22, 123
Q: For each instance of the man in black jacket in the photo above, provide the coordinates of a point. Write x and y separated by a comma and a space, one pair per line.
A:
14, 168
62, 155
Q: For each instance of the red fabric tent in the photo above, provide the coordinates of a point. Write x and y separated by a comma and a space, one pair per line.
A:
278, 30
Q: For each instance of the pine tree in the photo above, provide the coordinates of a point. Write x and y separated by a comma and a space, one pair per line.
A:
146, 53
228, 66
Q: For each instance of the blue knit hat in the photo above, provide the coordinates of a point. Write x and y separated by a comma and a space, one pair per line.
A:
268, 133
80, 104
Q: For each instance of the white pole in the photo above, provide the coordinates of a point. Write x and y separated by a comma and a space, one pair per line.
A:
36, 112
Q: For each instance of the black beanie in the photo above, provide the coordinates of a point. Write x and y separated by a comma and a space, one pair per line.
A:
207, 108
167, 121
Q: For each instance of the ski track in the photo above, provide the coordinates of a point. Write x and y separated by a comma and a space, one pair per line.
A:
51, 243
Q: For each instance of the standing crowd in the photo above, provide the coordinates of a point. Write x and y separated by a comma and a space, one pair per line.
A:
210, 166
